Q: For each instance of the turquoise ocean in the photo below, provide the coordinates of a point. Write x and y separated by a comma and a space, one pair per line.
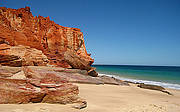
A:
166, 76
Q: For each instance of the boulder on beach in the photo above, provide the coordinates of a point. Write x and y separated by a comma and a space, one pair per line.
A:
153, 87
112, 80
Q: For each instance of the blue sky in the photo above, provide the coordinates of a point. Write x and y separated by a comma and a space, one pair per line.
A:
135, 32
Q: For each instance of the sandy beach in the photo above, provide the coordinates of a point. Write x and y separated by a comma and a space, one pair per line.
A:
109, 98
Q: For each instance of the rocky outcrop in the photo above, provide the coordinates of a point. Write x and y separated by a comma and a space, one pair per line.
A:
112, 80
36, 48
6, 71
21, 56
69, 75
153, 87
76, 61
46, 84
43, 86
20, 27
24, 91
72, 75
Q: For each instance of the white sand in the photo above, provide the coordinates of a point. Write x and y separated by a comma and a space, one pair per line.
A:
109, 98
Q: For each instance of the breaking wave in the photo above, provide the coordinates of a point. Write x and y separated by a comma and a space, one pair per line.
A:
163, 84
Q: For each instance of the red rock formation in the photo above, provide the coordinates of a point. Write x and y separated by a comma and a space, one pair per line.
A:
43, 86
20, 27
46, 84
76, 61
21, 56
22, 91
53, 73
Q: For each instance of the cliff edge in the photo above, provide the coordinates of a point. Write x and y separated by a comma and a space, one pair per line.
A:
63, 46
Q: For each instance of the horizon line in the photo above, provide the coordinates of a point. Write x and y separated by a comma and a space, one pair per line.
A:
139, 65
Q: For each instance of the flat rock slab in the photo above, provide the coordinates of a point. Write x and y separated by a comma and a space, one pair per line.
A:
73, 75
66, 75
153, 87
6, 71
112, 80
69, 75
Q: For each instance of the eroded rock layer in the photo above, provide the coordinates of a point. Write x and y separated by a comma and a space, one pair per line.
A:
43, 84
29, 84
21, 56
20, 27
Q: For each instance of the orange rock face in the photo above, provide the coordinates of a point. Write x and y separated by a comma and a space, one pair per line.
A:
20, 27
21, 56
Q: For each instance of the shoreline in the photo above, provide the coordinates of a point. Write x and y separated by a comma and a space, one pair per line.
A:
163, 84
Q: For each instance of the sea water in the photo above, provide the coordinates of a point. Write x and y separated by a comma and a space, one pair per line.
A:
166, 76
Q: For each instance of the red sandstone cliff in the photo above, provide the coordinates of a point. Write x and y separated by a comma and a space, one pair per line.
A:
20, 27
28, 42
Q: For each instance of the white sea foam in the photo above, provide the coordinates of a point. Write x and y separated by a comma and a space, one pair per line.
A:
163, 84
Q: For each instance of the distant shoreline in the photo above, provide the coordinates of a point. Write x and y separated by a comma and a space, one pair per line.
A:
166, 76
137, 65
163, 84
